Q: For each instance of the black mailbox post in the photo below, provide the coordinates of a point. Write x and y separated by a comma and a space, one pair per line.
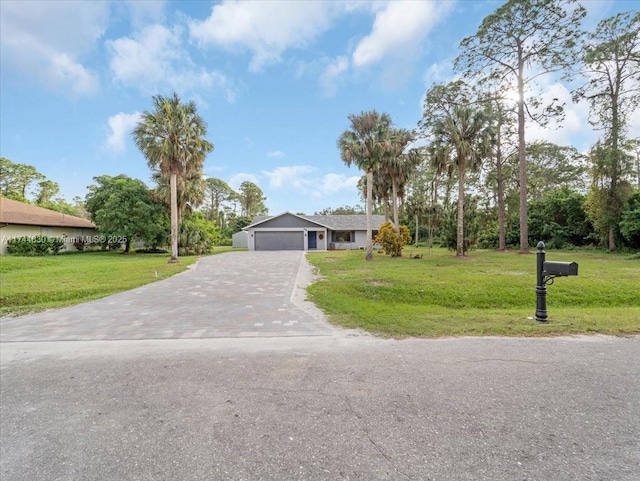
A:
547, 271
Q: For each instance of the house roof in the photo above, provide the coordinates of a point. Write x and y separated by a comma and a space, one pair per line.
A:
333, 222
14, 212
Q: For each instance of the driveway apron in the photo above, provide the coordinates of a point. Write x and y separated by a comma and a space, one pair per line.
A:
234, 294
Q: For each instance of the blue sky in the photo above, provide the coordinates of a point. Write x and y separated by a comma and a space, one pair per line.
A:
274, 81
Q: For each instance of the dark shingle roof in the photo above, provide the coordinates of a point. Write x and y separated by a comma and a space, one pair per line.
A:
14, 212
335, 222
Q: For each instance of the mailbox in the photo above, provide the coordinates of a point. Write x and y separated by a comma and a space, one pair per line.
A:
546, 272
551, 268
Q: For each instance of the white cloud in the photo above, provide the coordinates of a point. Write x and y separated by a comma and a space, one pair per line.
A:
296, 176
121, 125
142, 12
337, 182
46, 40
276, 153
238, 179
155, 59
332, 74
399, 30
267, 29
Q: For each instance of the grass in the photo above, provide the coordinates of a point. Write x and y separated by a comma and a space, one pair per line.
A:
488, 293
32, 284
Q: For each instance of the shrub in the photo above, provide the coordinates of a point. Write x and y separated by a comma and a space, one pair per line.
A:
391, 242
34, 246
197, 236
630, 222
20, 246
79, 243
57, 244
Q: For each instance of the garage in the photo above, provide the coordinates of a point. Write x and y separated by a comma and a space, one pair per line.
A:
279, 241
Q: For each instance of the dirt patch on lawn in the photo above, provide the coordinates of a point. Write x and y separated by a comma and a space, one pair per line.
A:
379, 283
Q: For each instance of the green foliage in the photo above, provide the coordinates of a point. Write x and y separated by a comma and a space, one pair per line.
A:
217, 191
46, 190
449, 231
559, 220
15, 178
57, 244
553, 166
343, 210
630, 223
251, 200
391, 242
235, 224
34, 246
122, 207
197, 235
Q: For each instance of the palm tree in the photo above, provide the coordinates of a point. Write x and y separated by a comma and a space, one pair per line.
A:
364, 144
399, 165
172, 140
459, 141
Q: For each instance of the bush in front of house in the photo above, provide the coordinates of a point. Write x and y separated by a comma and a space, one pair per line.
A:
391, 242
39, 245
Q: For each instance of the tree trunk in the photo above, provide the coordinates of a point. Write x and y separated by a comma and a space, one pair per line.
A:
502, 230
614, 197
385, 200
394, 201
369, 255
460, 230
522, 159
174, 217
417, 230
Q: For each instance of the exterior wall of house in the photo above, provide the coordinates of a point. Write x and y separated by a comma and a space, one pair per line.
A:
321, 239
321, 244
17, 230
288, 221
359, 242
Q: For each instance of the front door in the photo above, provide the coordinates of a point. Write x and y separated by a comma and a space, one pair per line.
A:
313, 244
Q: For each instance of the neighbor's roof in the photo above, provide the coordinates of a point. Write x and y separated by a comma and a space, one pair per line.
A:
14, 212
334, 222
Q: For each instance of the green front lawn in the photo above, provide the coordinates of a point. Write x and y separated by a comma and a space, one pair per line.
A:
488, 293
31, 284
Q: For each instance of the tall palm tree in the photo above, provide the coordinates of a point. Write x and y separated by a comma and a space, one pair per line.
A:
364, 144
399, 165
172, 140
459, 140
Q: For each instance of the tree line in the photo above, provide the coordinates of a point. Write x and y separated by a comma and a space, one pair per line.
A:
466, 171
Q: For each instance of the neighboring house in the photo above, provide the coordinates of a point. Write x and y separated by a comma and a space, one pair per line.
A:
289, 231
18, 219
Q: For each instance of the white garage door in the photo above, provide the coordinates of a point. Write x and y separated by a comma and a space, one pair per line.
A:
279, 241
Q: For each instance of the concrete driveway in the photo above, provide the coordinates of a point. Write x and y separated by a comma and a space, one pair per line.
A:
234, 294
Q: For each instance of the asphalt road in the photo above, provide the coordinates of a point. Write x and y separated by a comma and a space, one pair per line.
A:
321, 408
